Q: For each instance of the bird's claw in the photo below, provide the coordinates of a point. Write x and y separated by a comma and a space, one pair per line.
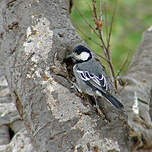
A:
75, 87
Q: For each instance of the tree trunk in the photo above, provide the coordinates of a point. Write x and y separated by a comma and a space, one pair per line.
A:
35, 37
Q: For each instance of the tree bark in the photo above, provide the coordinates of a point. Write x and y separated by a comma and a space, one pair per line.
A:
36, 36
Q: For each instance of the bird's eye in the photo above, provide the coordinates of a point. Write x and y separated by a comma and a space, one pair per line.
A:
78, 51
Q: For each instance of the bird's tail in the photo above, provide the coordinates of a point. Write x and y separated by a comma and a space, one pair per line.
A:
112, 100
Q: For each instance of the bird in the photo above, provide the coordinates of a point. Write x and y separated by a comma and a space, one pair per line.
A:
90, 76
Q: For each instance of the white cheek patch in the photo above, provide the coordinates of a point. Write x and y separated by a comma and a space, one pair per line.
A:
84, 56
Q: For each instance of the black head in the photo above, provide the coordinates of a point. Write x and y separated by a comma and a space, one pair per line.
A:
80, 48
81, 54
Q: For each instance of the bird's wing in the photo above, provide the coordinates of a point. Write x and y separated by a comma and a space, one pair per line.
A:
99, 83
97, 80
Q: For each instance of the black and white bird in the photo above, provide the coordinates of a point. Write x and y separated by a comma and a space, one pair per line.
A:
90, 76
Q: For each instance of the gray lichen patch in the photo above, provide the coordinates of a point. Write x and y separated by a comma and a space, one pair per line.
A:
37, 45
63, 104
92, 138
38, 39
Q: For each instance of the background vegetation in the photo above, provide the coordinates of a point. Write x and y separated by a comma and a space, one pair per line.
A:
131, 19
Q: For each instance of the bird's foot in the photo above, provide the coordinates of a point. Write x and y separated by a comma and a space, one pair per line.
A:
101, 114
75, 87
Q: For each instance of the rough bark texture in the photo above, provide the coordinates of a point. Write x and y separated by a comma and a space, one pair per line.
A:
35, 37
137, 94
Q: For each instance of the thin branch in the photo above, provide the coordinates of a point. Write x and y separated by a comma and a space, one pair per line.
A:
86, 21
97, 22
101, 11
88, 37
123, 65
111, 25
113, 74
106, 49
94, 9
103, 57
90, 9
106, 21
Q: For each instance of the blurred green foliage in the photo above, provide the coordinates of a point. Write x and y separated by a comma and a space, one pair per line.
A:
132, 18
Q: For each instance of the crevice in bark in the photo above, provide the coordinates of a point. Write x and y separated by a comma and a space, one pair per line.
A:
150, 105
11, 132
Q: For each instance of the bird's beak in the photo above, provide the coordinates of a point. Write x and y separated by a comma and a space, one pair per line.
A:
70, 56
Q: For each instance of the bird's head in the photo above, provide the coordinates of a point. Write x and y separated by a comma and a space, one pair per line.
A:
81, 54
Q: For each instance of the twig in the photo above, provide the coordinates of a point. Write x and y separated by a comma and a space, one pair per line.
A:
86, 21
94, 9
103, 57
106, 21
106, 49
88, 37
113, 74
90, 9
96, 21
111, 25
101, 11
123, 65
